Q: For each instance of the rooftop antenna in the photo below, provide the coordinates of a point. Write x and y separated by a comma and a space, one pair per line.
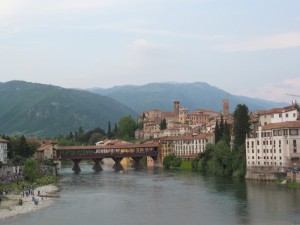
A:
293, 95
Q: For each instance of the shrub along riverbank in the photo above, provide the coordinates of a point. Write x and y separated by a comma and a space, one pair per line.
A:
33, 177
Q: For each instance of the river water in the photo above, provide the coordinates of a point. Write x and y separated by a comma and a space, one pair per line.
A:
163, 197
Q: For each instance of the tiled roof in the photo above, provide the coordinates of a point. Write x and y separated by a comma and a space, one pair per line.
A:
44, 147
118, 146
276, 110
289, 124
168, 114
3, 141
186, 137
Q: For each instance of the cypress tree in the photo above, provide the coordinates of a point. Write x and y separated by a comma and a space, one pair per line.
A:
217, 132
25, 150
241, 125
221, 126
109, 133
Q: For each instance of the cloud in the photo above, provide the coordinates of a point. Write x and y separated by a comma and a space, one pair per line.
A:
277, 41
284, 91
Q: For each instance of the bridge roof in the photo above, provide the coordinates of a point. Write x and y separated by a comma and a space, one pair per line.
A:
118, 146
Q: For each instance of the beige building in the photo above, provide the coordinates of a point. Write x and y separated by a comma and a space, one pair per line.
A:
46, 151
186, 147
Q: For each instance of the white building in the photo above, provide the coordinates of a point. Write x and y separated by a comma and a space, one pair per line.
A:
3, 150
275, 145
278, 115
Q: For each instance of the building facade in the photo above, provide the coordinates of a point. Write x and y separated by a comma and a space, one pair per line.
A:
46, 151
274, 145
3, 151
186, 147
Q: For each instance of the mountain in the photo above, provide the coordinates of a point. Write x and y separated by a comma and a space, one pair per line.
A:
46, 111
191, 95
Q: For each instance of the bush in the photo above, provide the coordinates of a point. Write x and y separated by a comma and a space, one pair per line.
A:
172, 160
31, 170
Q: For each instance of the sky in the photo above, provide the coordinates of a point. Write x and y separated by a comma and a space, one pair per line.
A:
246, 47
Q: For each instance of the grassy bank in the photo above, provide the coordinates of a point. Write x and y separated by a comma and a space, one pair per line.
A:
187, 165
17, 186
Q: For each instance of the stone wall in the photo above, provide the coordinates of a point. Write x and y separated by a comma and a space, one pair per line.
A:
265, 173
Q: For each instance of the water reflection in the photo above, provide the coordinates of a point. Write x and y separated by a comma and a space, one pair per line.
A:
157, 196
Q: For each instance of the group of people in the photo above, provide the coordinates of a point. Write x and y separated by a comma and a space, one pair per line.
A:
11, 178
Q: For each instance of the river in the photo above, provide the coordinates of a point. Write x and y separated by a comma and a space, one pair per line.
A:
163, 197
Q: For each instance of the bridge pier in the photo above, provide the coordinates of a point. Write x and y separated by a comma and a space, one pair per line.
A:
117, 166
97, 167
136, 163
76, 167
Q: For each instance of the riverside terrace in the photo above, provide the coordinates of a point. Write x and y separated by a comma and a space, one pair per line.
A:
99, 152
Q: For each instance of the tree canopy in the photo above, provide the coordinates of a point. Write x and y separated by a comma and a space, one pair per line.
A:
127, 127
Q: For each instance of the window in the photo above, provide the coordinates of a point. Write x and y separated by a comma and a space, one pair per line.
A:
286, 115
257, 142
294, 143
285, 132
294, 132
280, 115
294, 114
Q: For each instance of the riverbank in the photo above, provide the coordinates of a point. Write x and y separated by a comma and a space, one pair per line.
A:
11, 207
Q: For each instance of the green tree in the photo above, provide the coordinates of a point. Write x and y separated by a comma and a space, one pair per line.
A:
217, 133
241, 125
127, 127
171, 160
239, 161
221, 126
24, 148
31, 169
109, 133
163, 124
95, 138
167, 162
115, 132
176, 162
